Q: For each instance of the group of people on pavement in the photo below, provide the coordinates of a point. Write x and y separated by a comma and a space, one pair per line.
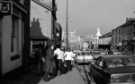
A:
53, 61
64, 59
56, 61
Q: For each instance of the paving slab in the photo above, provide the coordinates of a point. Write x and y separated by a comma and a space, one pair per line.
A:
72, 77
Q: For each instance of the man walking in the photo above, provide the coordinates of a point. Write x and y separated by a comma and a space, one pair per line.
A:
68, 55
59, 59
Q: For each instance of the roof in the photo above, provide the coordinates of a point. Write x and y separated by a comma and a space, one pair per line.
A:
109, 34
129, 21
35, 31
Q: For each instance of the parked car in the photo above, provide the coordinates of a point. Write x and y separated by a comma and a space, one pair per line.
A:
117, 53
83, 57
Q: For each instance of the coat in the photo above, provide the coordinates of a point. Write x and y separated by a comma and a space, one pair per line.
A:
50, 63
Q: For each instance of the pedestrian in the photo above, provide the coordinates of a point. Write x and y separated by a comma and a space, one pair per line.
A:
50, 63
41, 59
59, 59
72, 57
38, 59
68, 56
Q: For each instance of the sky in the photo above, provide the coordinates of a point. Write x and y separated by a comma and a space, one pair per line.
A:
85, 16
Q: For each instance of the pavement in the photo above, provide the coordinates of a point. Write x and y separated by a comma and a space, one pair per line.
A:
32, 77
72, 77
29, 76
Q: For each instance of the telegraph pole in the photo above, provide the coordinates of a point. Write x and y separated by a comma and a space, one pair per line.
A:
67, 41
54, 18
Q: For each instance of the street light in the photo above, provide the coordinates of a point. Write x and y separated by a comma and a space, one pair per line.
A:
67, 42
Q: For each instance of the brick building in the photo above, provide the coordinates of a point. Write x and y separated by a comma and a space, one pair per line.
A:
124, 33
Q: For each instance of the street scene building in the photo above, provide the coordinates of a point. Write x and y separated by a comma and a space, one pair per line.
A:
67, 42
36, 37
14, 33
106, 40
123, 35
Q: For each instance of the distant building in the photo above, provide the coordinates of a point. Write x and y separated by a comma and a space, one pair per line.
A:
123, 34
106, 40
98, 34
96, 38
75, 41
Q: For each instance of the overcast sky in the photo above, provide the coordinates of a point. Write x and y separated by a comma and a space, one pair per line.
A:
86, 15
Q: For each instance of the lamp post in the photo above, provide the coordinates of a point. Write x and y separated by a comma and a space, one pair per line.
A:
53, 18
67, 42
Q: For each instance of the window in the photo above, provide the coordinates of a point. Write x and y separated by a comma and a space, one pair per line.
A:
14, 34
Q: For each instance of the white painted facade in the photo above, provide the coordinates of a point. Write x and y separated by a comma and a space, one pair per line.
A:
7, 41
